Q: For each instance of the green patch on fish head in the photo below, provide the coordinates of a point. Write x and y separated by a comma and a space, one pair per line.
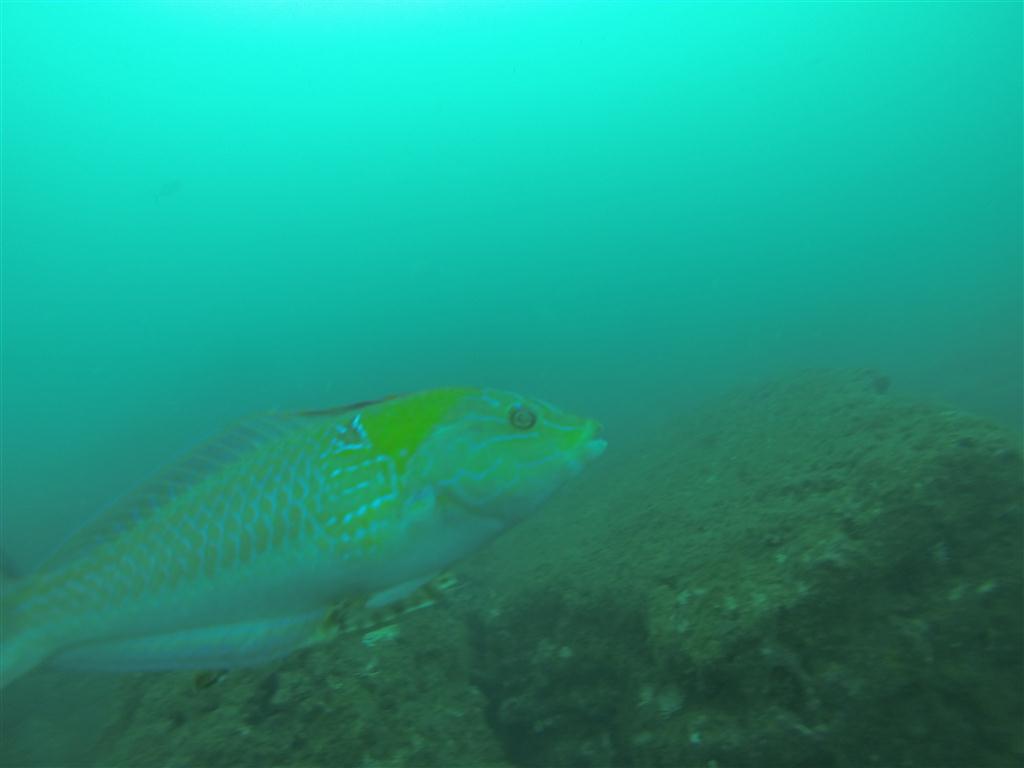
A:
499, 454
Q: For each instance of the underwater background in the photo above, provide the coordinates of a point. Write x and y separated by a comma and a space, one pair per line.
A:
629, 209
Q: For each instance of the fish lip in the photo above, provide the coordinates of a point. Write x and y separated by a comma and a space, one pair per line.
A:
593, 448
586, 452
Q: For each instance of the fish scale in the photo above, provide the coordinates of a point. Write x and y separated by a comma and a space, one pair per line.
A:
237, 553
266, 481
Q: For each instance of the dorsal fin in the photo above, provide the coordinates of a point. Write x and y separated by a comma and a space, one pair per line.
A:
169, 482
342, 409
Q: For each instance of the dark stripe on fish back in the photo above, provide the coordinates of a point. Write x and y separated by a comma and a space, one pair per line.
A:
340, 409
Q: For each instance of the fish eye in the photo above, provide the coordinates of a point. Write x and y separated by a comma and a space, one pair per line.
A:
521, 417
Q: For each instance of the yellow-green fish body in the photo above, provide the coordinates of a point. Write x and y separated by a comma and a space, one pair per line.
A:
236, 555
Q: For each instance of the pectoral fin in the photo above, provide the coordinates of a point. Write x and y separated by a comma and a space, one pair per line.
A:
396, 593
420, 505
381, 609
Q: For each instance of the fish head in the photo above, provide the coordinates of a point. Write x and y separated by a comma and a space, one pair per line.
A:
501, 455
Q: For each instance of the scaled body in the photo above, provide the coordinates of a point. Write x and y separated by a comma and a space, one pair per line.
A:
236, 555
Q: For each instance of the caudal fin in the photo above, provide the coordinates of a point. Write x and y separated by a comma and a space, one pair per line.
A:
20, 649
8, 573
18, 655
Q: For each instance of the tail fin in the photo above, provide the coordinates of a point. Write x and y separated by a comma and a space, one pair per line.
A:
19, 654
20, 651
8, 573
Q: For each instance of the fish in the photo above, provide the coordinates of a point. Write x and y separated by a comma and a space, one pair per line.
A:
241, 552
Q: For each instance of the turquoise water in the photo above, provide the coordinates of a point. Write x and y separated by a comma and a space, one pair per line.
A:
214, 209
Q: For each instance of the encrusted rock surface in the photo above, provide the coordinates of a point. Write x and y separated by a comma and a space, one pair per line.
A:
808, 573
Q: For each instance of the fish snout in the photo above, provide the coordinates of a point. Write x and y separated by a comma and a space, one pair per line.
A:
593, 445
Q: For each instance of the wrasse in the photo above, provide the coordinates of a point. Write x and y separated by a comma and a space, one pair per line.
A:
238, 554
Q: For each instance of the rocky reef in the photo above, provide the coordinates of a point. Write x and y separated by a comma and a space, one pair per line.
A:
811, 572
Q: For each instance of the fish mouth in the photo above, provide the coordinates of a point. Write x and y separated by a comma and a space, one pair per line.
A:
586, 452
593, 448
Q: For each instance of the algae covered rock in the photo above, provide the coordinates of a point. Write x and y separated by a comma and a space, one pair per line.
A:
396, 696
809, 572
